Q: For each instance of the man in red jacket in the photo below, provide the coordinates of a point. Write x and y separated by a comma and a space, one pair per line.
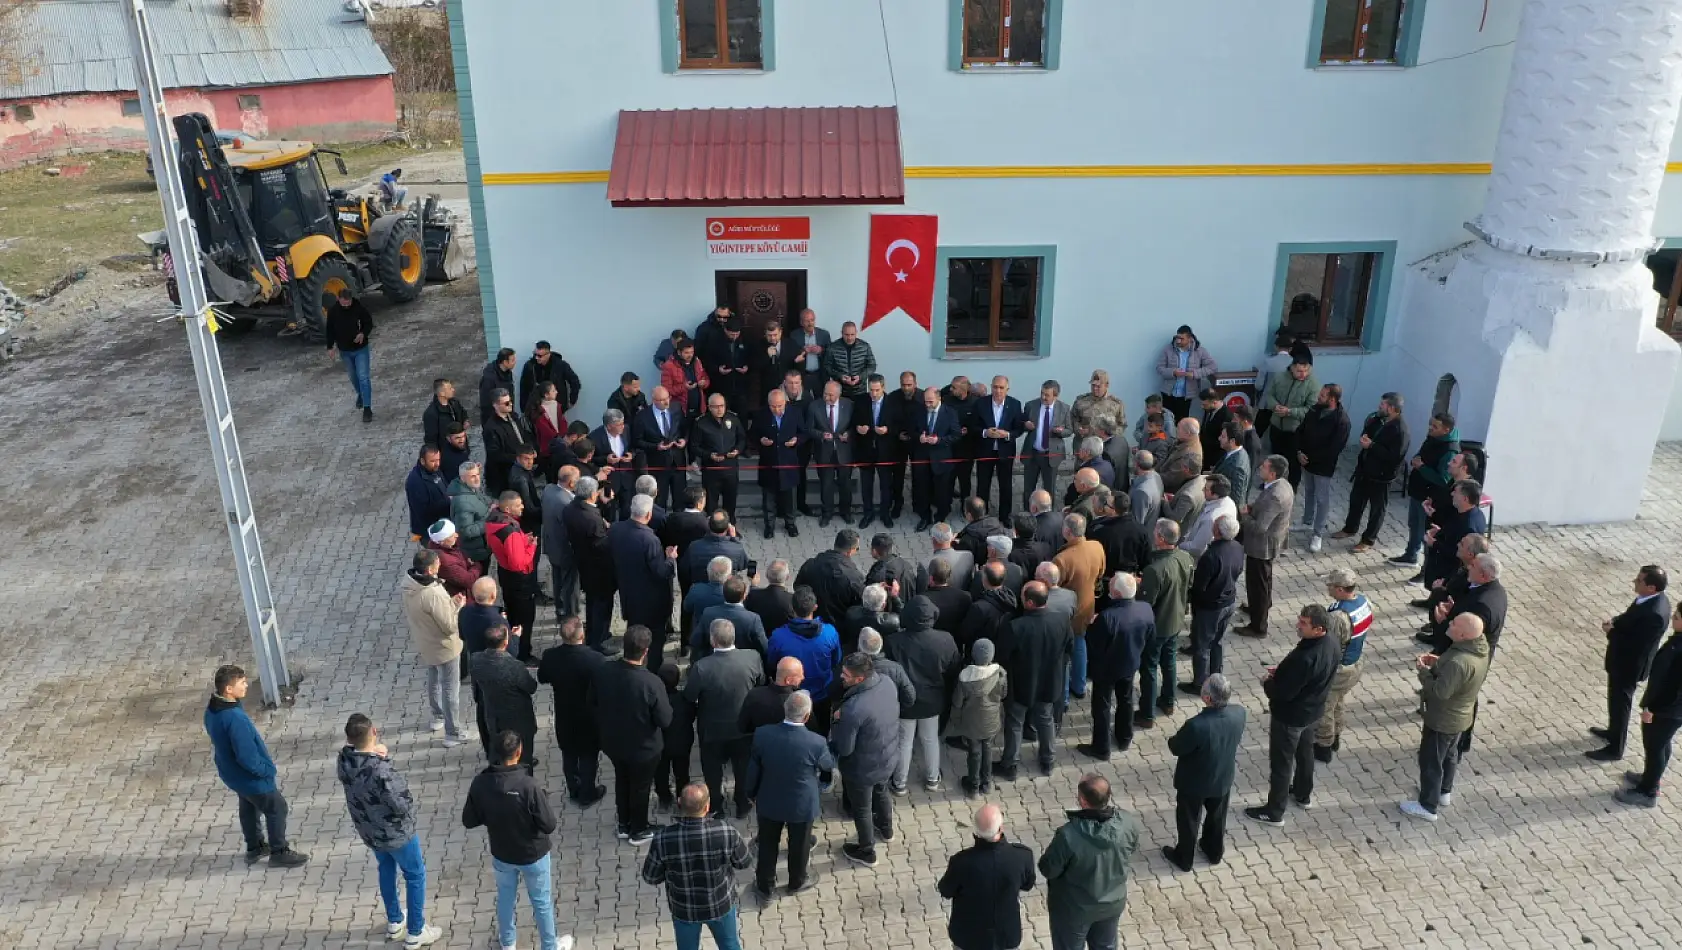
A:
516, 568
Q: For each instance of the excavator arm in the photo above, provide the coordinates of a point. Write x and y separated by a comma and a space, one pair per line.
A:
234, 263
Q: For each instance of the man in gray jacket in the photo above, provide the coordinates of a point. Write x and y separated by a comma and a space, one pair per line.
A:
1146, 490
717, 685
383, 813
563, 569
932, 661
1264, 529
865, 740
870, 644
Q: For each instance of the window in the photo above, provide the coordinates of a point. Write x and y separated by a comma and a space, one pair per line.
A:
23, 113
994, 303
1666, 265
1366, 31
131, 107
249, 102
719, 34
1326, 295
1005, 33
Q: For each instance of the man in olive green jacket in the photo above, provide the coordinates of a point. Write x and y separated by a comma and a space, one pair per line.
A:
1451, 683
1289, 397
1085, 869
1165, 585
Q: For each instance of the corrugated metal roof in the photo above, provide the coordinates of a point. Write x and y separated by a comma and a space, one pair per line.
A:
709, 157
82, 46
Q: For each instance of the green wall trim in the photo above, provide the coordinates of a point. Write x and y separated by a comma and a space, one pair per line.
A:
1048, 281
1378, 299
668, 35
1053, 41
1407, 40
475, 180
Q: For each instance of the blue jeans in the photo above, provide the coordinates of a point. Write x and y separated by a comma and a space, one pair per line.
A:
1077, 670
536, 875
356, 364
407, 859
1418, 522
724, 932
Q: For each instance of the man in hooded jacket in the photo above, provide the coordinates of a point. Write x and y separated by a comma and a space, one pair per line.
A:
932, 662
382, 810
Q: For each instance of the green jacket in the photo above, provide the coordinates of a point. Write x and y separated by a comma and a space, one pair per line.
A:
1164, 585
1452, 684
1085, 866
469, 509
1299, 397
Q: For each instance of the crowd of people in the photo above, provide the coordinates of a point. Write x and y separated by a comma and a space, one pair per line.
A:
790, 676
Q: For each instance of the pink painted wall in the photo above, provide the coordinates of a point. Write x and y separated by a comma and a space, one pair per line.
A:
339, 110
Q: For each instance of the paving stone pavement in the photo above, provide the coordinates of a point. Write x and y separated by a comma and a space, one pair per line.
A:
114, 831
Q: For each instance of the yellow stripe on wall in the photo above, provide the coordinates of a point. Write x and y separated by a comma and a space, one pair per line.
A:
1095, 171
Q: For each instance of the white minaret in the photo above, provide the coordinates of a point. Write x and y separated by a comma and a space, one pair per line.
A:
1546, 322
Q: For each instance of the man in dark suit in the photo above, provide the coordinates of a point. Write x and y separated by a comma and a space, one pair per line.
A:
985, 882
717, 441
1115, 645
1037, 664
830, 421
931, 460
719, 542
780, 434
875, 424
1632, 638
1047, 425
962, 398
1215, 417
644, 572
1207, 747
568, 669
715, 687
773, 603
782, 781
998, 424
907, 404
587, 535
682, 530
771, 358
661, 436
616, 453
810, 341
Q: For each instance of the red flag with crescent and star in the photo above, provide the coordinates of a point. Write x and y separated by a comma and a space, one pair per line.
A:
901, 267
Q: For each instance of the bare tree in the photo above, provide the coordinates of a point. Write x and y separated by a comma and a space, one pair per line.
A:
18, 52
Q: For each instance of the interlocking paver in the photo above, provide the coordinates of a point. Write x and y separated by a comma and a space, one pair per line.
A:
119, 603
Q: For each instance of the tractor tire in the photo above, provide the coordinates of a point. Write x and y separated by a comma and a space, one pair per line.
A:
315, 293
400, 264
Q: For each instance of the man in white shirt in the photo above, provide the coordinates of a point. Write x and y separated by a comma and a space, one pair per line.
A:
1217, 502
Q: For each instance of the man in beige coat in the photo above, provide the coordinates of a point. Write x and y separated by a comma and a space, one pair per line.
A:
431, 613
1264, 528
1081, 564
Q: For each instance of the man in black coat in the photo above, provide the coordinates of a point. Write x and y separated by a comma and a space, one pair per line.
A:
1027, 551
996, 424
1320, 441
784, 762
764, 703
568, 669
833, 578
1632, 638
888, 568
1127, 543
990, 616
716, 442
682, 529
523, 478
985, 883
937, 433
907, 404
716, 687
644, 571
444, 409
978, 527
773, 603
951, 604
629, 398
875, 435
1215, 417
616, 452
498, 374
1384, 445
1213, 597
631, 711
1039, 646
587, 535
931, 661
1296, 691
962, 397
779, 433
719, 541
1207, 747
505, 432
547, 366
505, 688
661, 435
1661, 717
1115, 641
770, 359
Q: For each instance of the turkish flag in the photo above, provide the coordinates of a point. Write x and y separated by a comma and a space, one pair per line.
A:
901, 267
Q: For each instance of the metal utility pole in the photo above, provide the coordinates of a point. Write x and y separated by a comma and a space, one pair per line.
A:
207, 365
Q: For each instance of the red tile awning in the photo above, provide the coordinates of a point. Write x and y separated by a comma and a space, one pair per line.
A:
717, 157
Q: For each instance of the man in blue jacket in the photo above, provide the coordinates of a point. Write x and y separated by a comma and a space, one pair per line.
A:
782, 781
427, 491
242, 761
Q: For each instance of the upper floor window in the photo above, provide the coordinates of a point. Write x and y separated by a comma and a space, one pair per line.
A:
1004, 32
1326, 295
1362, 31
719, 34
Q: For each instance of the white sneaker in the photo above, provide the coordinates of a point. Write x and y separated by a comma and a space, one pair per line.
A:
565, 943
451, 742
1413, 809
427, 937
1314, 544
1444, 799
394, 931
437, 725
